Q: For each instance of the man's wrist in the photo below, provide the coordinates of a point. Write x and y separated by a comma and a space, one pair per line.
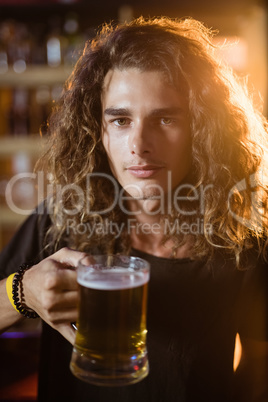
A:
14, 287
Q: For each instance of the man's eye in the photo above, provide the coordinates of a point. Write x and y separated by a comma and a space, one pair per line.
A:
166, 120
120, 122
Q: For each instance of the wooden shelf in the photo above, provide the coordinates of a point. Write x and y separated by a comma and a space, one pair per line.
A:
33, 145
34, 76
10, 218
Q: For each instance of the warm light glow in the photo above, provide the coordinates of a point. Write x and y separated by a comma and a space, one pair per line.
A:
237, 352
234, 51
247, 54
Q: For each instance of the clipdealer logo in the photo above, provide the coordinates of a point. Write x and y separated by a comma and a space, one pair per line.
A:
176, 198
133, 226
167, 199
255, 219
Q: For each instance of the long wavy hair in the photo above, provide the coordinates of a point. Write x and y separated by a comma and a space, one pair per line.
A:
228, 140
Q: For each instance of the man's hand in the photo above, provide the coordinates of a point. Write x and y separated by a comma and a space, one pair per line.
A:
50, 289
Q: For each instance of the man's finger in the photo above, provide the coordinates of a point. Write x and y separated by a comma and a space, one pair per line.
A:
68, 256
67, 331
61, 278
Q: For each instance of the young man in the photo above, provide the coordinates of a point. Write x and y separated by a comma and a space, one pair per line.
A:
156, 151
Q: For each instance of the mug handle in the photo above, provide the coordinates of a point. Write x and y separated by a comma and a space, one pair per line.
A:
73, 324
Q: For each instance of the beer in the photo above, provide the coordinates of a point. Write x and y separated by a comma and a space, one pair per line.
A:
110, 345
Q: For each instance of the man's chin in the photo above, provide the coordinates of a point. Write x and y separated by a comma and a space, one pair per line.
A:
146, 195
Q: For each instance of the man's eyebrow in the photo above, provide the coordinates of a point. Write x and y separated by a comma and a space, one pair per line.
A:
169, 111
113, 111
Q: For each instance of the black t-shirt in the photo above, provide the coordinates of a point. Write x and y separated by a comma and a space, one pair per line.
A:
195, 310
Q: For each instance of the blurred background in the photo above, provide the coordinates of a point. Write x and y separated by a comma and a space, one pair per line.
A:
40, 41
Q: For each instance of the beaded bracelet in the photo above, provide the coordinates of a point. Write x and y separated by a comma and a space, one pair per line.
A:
17, 282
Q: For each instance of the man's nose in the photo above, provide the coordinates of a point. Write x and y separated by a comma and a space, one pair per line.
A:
140, 140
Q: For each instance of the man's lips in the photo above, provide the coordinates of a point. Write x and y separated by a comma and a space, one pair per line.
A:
144, 171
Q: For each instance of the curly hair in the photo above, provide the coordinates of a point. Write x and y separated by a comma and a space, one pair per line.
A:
228, 138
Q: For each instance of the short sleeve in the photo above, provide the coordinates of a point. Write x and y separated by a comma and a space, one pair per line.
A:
27, 245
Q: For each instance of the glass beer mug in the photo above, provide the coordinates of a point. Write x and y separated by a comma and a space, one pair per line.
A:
110, 345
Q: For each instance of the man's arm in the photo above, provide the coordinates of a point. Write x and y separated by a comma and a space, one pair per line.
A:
8, 316
50, 289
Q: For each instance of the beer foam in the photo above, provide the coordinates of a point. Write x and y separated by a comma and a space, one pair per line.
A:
115, 279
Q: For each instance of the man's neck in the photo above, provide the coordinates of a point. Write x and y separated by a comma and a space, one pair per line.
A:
148, 233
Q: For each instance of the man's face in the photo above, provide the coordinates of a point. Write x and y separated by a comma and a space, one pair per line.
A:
145, 131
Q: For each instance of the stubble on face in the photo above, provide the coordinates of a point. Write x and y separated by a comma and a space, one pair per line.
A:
134, 96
